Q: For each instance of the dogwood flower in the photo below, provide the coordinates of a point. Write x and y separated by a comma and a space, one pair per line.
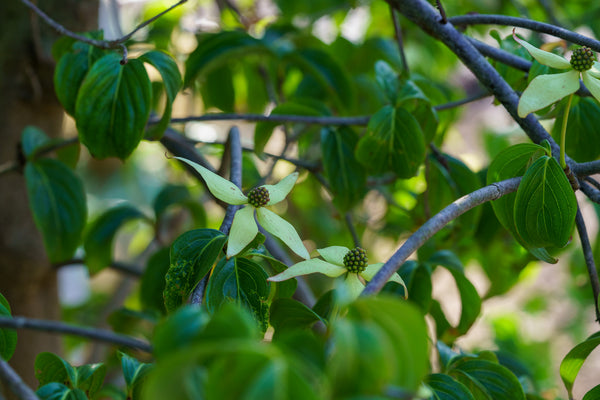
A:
244, 229
339, 260
544, 90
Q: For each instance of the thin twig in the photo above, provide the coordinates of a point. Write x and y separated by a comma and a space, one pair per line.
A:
100, 335
127, 269
461, 102
15, 383
440, 8
435, 224
588, 255
593, 182
352, 229
592, 193
557, 31
149, 21
9, 166
399, 41
279, 118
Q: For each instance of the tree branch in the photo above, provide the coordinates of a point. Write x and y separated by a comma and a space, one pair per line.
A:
588, 255
557, 31
99, 335
280, 118
592, 193
14, 382
435, 224
127, 269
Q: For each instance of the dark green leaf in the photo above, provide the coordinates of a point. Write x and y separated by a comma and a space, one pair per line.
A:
90, 378
217, 89
242, 281
571, 364
101, 233
290, 315
171, 77
417, 278
545, 205
583, 129
58, 204
264, 129
179, 283
446, 388
388, 80
394, 142
180, 330
58, 391
490, 378
171, 195
35, 142
510, 163
347, 178
592, 394
153, 280
8, 337
135, 374
285, 288
216, 49
470, 300
327, 73
51, 368
113, 106
31, 139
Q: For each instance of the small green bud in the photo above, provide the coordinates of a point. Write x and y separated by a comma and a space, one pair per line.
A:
258, 197
582, 59
356, 260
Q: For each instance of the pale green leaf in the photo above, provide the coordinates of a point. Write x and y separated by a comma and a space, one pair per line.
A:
281, 229
279, 191
243, 230
545, 90
544, 57
311, 266
334, 254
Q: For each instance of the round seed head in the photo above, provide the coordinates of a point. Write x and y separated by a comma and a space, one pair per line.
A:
258, 197
582, 59
356, 260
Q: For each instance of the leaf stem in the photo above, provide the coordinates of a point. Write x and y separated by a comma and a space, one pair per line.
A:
563, 133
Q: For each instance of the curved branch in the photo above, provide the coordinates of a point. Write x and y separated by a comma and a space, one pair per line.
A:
501, 55
588, 255
15, 383
99, 335
435, 224
557, 31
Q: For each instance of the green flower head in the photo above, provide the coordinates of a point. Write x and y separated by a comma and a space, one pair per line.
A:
544, 90
339, 260
244, 228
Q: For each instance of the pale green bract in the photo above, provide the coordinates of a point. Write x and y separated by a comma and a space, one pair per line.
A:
544, 90
333, 266
244, 229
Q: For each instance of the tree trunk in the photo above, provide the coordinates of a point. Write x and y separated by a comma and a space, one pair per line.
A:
27, 98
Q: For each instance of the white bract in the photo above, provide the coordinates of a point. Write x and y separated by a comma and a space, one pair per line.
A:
244, 229
544, 90
334, 266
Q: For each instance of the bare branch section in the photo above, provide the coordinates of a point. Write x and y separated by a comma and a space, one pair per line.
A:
14, 382
99, 335
435, 224
493, 19
588, 255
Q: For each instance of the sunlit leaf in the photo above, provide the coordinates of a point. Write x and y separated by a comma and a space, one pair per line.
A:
573, 361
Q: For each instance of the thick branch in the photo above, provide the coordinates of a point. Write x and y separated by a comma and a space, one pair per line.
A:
588, 255
492, 19
435, 224
99, 335
14, 382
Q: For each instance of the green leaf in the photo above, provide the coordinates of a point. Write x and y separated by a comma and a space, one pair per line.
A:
592, 394
217, 89
51, 368
101, 233
171, 195
446, 388
57, 201
153, 281
417, 278
285, 288
388, 80
469, 298
113, 106
71, 69
58, 391
394, 142
8, 337
264, 129
135, 374
179, 283
179, 331
34, 142
583, 129
167, 67
545, 205
347, 178
492, 379
90, 378
216, 49
200, 248
290, 315
242, 281
405, 327
510, 163
31, 139
571, 364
